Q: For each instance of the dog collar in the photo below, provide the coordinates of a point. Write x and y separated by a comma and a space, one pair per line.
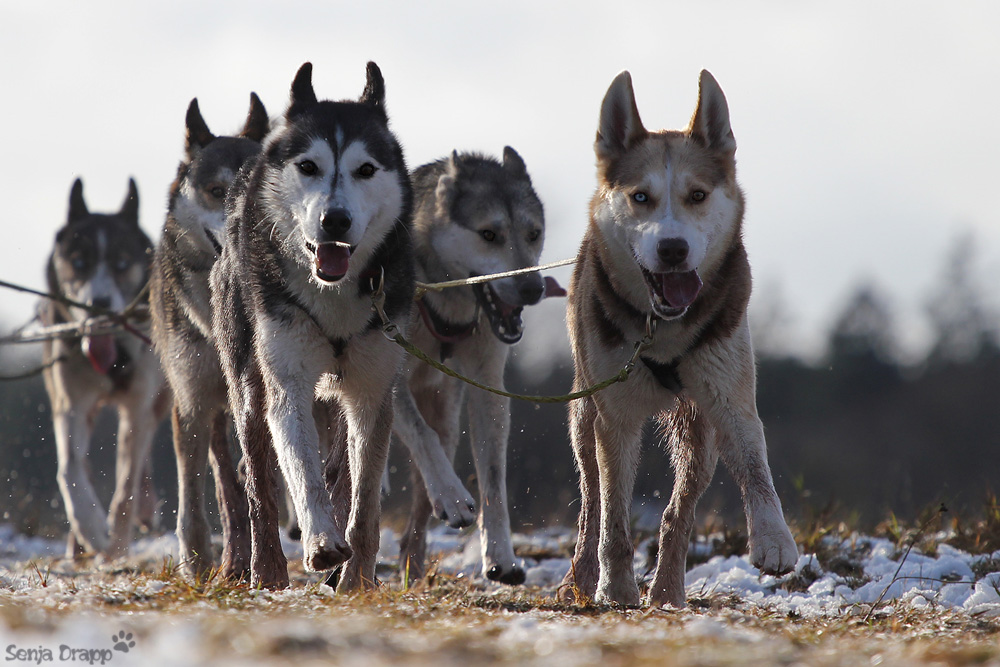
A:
444, 331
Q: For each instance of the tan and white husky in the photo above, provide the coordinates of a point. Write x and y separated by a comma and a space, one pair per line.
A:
664, 250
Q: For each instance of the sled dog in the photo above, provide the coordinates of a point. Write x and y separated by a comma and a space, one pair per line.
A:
101, 260
315, 224
473, 215
664, 247
182, 335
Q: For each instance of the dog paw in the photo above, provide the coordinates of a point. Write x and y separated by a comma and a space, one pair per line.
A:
512, 576
323, 552
774, 553
624, 593
457, 513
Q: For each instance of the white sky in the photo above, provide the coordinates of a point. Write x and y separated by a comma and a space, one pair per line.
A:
867, 131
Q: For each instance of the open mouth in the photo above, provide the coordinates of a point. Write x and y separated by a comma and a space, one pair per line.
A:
332, 260
673, 292
505, 319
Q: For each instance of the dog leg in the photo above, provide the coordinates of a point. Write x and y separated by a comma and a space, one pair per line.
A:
232, 502
87, 519
694, 457
617, 446
136, 427
413, 541
268, 565
192, 434
489, 425
450, 501
440, 408
369, 421
581, 580
729, 395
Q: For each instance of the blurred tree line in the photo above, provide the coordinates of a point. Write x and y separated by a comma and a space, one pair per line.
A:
859, 427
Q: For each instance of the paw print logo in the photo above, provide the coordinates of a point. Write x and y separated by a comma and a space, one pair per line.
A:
123, 641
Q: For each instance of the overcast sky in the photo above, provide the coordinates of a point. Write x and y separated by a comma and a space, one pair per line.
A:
867, 131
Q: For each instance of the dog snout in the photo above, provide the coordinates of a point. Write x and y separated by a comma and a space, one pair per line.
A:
531, 293
672, 252
336, 222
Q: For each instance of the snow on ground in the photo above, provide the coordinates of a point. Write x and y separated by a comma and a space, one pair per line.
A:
877, 572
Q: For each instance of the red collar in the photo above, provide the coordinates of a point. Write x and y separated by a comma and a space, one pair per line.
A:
444, 331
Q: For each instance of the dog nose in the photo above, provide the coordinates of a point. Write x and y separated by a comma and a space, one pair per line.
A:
336, 221
101, 302
531, 293
672, 252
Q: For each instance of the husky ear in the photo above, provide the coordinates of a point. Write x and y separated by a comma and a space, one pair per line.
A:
710, 122
257, 125
303, 94
374, 92
620, 126
130, 208
513, 164
77, 207
444, 194
198, 134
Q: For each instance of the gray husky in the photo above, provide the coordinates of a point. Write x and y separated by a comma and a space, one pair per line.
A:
664, 249
473, 215
101, 260
182, 334
315, 225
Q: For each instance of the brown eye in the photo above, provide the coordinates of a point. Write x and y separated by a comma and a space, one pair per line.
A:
698, 196
488, 235
218, 192
367, 170
308, 167
533, 235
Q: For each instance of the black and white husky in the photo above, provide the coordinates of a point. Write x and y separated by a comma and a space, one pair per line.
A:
101, 260
314, 225
182, 334
473, 215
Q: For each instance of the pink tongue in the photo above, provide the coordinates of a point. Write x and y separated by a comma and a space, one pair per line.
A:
680, 289
553, 288
101, 351
332, 259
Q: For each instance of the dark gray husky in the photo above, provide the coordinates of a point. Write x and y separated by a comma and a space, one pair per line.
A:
101, 260
314, 225
182, 332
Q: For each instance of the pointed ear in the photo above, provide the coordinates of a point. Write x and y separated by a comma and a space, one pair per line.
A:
77, 207
710, 122
513, 164
620, 126
444, 194
198, 134
374, 92
303, 94
257, 125
130, 209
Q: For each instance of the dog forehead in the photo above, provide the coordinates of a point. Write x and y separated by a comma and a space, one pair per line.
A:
223, 154
668, 151
340, 125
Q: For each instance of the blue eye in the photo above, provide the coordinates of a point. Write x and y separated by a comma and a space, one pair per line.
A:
640, 198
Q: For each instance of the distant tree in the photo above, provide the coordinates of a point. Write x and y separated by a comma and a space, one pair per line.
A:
964, 324
864, 330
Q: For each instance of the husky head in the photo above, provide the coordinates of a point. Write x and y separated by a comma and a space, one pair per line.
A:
668, 199
99, 260
334, 181
484, 218
198, 195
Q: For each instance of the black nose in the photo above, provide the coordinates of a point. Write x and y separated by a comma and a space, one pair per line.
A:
531, 293
672, 252
336, 221
101, 302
